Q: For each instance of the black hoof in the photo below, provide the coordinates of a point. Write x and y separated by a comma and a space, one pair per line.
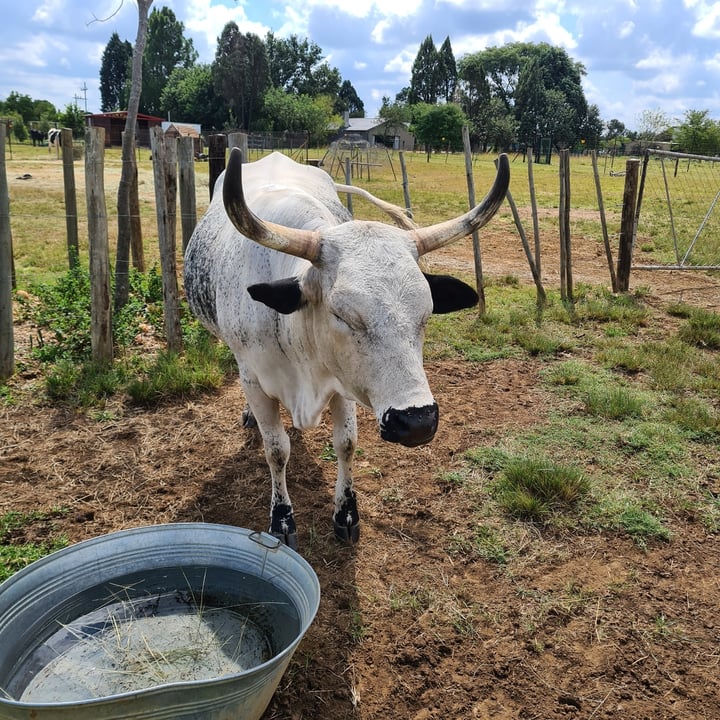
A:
348, 534
289, 539
248, 419
282, 526
347, 520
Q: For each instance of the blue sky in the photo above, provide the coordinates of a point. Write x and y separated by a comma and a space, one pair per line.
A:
639, 54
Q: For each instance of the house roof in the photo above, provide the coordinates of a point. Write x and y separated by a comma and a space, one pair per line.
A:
362, 124
183, 129
122, 114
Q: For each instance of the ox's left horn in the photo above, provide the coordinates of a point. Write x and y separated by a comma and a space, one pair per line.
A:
301, 243
435, 236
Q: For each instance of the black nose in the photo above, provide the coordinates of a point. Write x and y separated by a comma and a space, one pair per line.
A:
411, 426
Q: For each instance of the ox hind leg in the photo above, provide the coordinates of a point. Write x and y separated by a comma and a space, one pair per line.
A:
266, 414
346, 518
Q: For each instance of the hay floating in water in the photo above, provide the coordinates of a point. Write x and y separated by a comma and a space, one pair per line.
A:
135, 645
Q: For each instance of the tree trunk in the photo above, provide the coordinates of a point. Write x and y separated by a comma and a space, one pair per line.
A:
129, 170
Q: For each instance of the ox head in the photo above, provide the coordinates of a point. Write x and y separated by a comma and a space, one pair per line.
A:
366, 301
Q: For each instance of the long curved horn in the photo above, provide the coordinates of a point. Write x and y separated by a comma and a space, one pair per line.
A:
435, 236
300, 243
398, 215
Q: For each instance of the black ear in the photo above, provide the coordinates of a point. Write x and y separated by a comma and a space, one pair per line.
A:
450, 294
285, 295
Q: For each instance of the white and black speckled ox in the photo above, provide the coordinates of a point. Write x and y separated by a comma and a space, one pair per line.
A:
322, 310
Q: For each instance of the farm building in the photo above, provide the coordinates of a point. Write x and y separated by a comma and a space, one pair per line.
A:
176, 130
377, 131
114, 124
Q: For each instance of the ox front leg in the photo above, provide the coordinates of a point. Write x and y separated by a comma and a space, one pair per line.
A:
276, 442
346, 518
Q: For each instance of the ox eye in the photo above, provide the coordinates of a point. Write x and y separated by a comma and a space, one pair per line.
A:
342, 322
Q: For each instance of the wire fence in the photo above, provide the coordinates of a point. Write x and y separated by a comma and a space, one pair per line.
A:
678, 226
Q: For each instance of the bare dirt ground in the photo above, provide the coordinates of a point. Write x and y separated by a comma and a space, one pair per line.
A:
580, 626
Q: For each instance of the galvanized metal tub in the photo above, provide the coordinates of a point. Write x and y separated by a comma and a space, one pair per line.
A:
211, 568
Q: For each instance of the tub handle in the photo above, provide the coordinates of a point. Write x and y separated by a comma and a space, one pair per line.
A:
269, 542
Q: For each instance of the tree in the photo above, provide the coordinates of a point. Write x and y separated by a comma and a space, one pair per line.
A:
652, 123
425, 78
531, 96
592, 128
74, 118
394, 115
166, 49
438, 126
189, 95
114, 67
348, 101
299, 113
515, 73
698, 134
23, 105
614, 128
447, 71
298, 67
128, 173
240, 74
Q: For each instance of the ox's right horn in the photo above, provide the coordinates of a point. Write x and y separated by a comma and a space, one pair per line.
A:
435, 236
301, 243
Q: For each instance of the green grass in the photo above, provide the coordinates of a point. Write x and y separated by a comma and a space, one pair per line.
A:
15, 554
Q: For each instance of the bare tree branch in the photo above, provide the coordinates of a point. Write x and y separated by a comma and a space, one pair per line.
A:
109, 17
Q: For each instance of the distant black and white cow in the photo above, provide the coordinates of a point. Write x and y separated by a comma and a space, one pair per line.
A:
322, 310
53, 138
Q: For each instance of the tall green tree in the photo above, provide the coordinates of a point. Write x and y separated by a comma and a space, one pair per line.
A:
114, 71
189, 96
166, 48
22, 105
531, 96
240, 74
698, 134
591, 128
299, 113
425, 77
349, 101
74, 118
510, 75
298, 66
438, 126
447, 71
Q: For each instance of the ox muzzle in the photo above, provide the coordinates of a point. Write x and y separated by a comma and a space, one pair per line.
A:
410, 427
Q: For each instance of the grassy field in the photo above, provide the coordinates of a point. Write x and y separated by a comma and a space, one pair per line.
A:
438, 190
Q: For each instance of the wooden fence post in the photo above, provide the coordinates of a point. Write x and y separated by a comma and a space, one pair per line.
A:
71, 222
165, 189
477, 257
100, 306
186, 179
7, 341
603, 223
217, 145
627, 225
239, 140
405, 185
566, 281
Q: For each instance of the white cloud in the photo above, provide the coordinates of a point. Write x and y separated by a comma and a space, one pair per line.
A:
49, 11
707, 24
626, 29
208, 20
402, 62
378, 32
